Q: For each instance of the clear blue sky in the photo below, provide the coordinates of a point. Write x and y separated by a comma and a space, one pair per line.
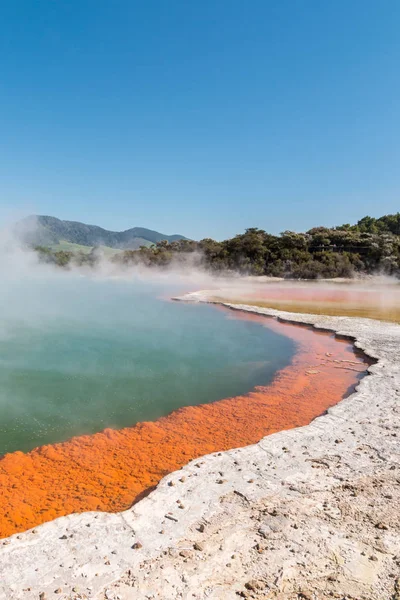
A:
200, 117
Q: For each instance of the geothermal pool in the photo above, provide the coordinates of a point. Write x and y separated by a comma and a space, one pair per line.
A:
82, 354
106, 386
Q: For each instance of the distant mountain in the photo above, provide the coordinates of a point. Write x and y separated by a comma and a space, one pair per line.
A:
39, 230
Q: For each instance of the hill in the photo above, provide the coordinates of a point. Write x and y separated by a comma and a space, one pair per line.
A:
371, 246
41, 230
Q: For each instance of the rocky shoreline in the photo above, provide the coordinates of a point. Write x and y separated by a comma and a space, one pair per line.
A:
309, 513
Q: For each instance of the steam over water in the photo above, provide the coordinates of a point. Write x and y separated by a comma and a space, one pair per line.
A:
78, 355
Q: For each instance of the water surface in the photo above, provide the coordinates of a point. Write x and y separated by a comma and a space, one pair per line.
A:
78, 355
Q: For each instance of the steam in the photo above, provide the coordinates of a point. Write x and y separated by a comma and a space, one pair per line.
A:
31, 287
85, 348
44, 306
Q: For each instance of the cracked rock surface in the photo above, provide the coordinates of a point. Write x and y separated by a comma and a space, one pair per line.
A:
309, 513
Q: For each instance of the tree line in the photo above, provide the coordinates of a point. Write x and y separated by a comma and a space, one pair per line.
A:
370, 246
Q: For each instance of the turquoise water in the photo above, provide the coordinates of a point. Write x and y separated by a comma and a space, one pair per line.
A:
78, 355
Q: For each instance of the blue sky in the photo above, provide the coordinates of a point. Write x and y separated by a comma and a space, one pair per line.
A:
202, 118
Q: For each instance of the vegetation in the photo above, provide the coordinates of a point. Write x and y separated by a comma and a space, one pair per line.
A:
370, 246
65, 258
77, 248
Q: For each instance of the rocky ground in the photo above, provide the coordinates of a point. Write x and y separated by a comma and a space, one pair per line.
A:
310, 513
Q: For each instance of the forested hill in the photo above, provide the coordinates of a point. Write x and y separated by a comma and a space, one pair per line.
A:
39, 230
370, 246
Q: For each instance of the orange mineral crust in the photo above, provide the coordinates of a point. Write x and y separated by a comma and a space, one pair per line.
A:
108, 471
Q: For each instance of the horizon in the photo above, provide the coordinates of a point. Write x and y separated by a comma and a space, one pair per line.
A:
203, 120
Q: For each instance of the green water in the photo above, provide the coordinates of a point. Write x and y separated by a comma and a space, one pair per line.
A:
78, 355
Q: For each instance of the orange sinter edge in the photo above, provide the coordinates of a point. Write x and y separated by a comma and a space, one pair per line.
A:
108, 471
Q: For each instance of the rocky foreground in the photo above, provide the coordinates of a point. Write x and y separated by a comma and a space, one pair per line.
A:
310, 513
